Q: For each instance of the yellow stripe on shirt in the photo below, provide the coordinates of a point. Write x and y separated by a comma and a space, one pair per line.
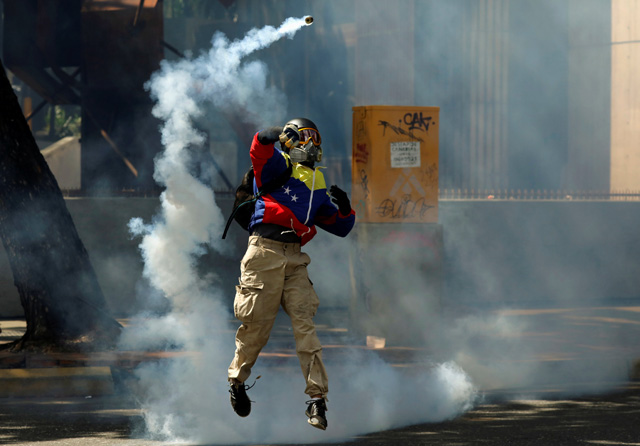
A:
305, 174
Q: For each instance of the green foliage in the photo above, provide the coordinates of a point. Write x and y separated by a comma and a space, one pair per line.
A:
189, 8
66, 124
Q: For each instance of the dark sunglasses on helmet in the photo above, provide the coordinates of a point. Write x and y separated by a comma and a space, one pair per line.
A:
307, 134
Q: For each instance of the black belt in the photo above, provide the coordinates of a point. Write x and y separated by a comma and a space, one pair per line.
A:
275, 232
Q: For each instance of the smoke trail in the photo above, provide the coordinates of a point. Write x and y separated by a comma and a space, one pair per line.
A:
190, 218
187, 399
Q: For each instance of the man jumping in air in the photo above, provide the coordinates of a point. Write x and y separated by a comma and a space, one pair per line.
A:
274, 269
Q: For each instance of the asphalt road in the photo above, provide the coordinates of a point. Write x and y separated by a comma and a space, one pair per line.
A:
566, 338
612, 419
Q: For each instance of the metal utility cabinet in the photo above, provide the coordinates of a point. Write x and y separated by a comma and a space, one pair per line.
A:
397, 267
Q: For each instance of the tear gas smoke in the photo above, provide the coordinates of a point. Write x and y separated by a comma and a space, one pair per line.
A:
503, 256
188, 399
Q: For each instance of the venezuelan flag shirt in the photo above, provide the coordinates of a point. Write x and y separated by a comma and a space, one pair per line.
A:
302, 203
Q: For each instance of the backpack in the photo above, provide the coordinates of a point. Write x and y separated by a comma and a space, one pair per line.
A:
245, 202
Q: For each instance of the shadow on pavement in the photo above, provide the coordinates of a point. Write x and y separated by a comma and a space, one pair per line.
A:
70, 421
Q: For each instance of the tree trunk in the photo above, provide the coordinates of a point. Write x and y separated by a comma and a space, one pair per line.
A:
62, 300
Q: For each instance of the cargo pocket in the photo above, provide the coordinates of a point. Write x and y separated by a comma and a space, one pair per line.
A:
313, 300
244, 304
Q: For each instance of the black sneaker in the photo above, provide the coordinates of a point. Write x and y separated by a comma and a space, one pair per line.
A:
316, 413
239, 400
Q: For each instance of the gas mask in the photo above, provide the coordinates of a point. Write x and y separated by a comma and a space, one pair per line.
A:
308, 152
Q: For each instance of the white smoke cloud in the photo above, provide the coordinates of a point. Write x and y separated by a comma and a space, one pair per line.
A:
187, 399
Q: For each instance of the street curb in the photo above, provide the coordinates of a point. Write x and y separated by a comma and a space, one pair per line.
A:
59, 381
131, 359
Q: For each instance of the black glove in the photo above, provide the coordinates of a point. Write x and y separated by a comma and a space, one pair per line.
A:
290, 137
269, 136
340, 199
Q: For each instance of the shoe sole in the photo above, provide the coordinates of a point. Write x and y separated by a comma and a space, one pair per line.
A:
316, 424
243, 415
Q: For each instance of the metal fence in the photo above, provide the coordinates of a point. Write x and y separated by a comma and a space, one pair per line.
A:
538, 194
444, 194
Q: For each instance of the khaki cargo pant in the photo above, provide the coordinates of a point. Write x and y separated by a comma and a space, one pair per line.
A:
273, 274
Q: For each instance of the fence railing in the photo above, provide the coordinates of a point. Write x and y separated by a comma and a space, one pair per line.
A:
444, 194
537, 194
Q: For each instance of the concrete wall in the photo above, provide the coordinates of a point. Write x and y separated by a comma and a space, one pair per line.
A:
495, 253
63, 158
102, 226
562, 252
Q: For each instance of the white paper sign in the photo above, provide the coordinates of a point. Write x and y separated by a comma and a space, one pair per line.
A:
405, 154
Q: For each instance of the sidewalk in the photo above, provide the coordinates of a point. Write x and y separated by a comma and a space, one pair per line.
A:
99, 373
335, 336
563, 337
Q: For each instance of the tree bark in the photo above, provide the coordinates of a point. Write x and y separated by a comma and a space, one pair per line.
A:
59, 291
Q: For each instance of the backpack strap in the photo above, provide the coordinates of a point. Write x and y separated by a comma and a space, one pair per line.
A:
267, 188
